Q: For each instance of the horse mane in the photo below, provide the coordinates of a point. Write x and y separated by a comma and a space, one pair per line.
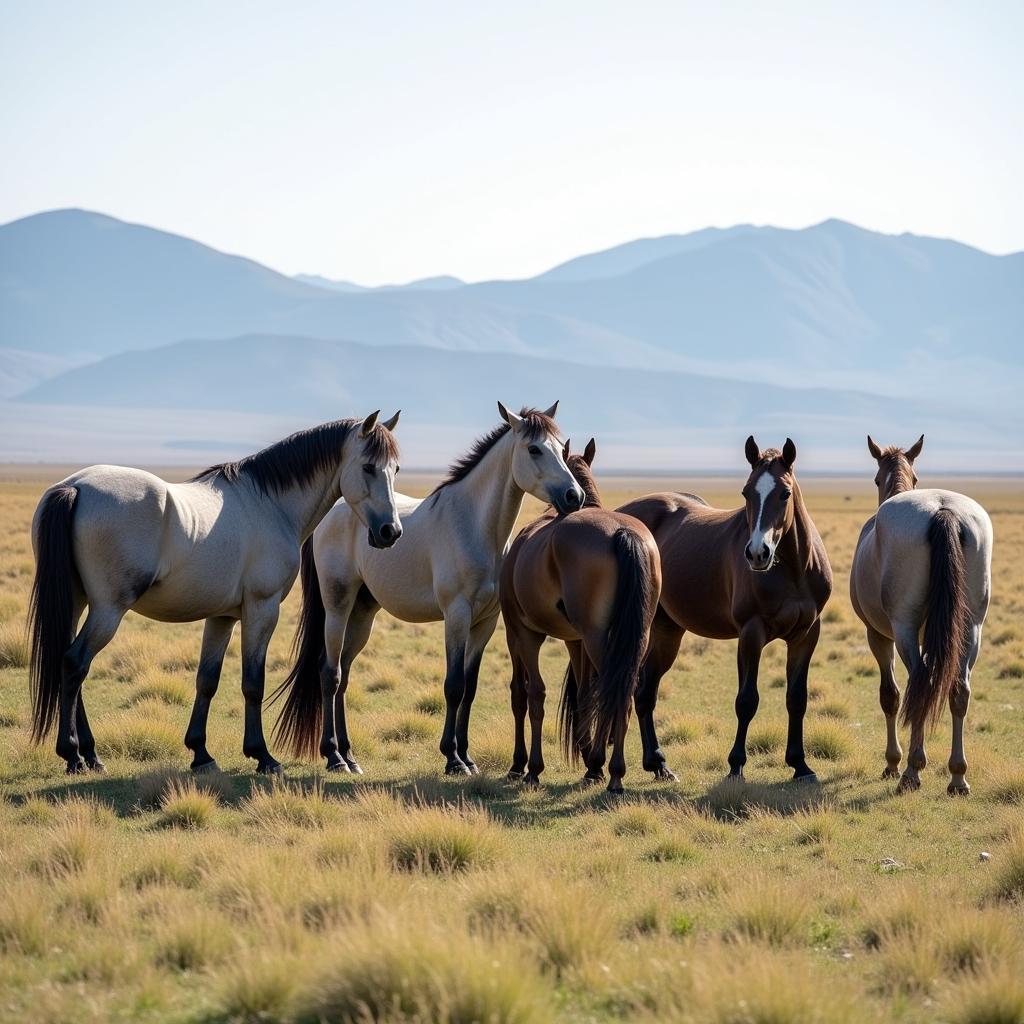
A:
535, 425
768, 454
901, 475
301, 457
585, 478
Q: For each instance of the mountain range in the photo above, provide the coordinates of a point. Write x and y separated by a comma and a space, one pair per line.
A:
671, 348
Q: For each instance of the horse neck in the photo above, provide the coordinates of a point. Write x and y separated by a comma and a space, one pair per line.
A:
591, 495
798, 542
306, 504
490, 495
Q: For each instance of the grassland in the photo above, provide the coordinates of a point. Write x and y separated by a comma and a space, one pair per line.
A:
141, 895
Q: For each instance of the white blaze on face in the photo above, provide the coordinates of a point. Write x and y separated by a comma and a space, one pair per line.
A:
759, 536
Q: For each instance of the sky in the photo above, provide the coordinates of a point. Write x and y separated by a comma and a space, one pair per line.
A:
381, 142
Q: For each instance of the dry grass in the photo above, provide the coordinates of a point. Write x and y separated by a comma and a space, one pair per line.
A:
400, 895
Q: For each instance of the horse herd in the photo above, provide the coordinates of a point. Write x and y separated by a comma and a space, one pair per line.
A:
620, 588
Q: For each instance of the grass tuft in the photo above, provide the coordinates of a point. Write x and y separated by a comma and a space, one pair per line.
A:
184, 805
443, 839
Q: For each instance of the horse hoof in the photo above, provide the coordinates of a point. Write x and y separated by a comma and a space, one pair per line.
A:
891, 773
592, 778
471, 765
339, 766
616, 788
514, 775
206, 768
958, 789
75, 767
665, 774
736, 776
456, 768
94, 764
354, 767
531, 780
908, 784
808, 777
272, 768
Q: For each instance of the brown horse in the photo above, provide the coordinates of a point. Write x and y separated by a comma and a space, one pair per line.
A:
591, 578
757, 573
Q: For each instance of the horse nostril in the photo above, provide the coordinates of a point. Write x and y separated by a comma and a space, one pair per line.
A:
749, 553
387, 532
572, 498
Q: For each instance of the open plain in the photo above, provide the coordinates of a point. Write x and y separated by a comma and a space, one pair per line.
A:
146, 895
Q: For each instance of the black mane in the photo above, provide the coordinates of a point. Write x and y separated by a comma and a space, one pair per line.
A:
302, 456
536, 425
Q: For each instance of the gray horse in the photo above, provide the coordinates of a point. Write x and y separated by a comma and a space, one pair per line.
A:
447, 568
921, 583
223, 547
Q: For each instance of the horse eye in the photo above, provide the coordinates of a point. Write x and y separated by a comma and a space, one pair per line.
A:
534, 450
786, 495
878, 482
398, 469
370, 469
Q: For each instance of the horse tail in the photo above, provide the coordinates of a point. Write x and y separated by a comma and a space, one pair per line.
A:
568, 709
298, 725
612, 692
945, 629
51, 624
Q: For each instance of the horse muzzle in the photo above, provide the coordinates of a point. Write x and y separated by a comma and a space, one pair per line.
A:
570, 500
761, 559
383, 536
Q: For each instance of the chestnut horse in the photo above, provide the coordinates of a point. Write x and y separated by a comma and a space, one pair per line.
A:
921, 583
592, 579
757, 573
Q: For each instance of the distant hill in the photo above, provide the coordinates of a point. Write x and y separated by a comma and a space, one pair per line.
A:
838, 312
316, 379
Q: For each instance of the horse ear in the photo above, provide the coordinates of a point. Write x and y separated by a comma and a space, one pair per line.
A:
589, 452
915, 450
551, 412
876, 452
789, 453
565, 450
753, 453
510, 417
369, 423
393, 422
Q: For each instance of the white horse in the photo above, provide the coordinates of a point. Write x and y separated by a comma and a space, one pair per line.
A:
223, 547
921, 583
446, 568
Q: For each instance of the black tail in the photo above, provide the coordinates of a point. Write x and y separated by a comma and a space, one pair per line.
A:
945, 629
609, 696
567, 717
299, 724
51, 607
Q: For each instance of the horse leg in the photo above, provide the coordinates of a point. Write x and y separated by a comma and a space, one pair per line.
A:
86, 740
216, 636
666, 637
519, 709
917, 759
798, 662
594, 640
360, 625
258, 622
457, 622
752, 639
480, 633
100, 626
535, 693
884, 651
959, 701
579, 666
337, 617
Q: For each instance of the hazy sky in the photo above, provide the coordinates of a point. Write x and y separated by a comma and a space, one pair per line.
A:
386, 141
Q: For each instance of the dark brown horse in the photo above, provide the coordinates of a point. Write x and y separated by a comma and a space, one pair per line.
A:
758, 573
591, 578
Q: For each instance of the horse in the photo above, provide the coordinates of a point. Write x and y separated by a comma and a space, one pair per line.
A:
446, 568
591, 579
756, 574
223, 547
921, 582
